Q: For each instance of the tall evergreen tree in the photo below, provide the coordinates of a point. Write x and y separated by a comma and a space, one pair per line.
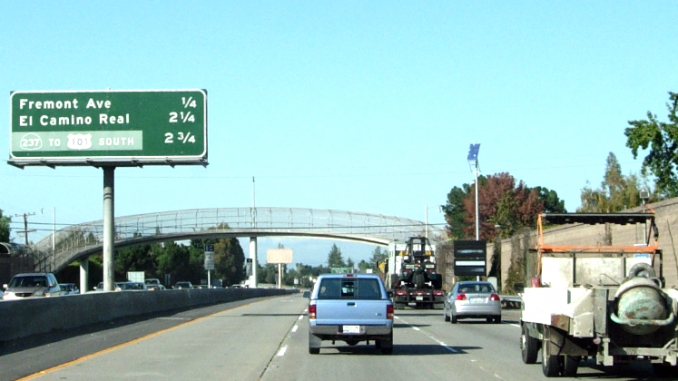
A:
334, 258
616, 193
378, 256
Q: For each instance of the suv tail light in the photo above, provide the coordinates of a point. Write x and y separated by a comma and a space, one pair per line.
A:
389, 311
438, 292
494, 297
401, 292
461, 297
311, 311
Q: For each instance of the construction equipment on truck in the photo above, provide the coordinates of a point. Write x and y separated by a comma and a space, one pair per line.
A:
607, 303
412, 275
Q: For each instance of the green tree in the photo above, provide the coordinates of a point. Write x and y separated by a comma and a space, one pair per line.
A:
229, 266
4, 227
454, 210
334, 258
175, 260
616, 193
269, 273
552, 203
363, 265
135, 258
662, 140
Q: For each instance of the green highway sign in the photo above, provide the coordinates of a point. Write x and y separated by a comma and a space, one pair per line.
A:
341, 270
114, 127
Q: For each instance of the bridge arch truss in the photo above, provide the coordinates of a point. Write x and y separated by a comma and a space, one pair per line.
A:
84, 239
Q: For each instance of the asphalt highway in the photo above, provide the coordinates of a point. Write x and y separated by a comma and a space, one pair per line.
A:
267, 339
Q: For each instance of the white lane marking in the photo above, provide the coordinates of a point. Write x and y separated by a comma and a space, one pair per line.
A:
301, 317
294, 329
449, 348
282, 351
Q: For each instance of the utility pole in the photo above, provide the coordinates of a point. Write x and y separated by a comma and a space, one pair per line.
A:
25, 231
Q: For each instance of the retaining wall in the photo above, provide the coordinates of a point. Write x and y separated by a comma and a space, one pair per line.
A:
666, 218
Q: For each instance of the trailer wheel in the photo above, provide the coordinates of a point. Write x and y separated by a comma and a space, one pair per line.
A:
529, 346
550, 364
570, 365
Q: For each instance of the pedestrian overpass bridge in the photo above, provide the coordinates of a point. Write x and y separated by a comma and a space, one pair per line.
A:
56, 251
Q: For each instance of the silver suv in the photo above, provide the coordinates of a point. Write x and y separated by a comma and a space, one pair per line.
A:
31, 284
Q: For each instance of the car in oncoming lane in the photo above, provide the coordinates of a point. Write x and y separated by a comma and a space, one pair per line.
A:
182, 285
130, 286
69, 288
473, 299
31, 285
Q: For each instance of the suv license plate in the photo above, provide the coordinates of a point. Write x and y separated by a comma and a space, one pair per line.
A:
351, 329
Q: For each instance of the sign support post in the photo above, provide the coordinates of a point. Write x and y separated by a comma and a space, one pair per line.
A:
109, 228
209, 263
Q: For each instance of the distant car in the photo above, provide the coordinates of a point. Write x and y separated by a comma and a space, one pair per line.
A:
473, 299
152, 281
130, 286
69, 288
31, 285
155, 287
100, 287
183, 285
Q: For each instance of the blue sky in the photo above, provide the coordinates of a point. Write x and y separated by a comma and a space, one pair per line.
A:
366, 106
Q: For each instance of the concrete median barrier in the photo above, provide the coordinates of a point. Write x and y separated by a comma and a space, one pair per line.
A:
32, 316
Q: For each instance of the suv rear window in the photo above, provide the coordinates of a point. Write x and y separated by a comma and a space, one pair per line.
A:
349, 288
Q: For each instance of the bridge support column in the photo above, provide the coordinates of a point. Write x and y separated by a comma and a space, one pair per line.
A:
84, 275
252, 281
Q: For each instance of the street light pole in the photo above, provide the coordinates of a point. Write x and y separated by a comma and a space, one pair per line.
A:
53, 233
477, 216
473, 164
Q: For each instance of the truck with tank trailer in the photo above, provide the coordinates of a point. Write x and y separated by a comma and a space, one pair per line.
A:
601, 302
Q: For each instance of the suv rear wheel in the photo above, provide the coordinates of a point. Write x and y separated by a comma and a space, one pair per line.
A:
386, 344
313, 344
